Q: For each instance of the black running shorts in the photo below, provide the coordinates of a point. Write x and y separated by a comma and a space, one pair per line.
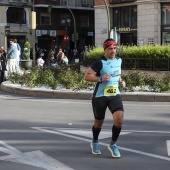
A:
100, 105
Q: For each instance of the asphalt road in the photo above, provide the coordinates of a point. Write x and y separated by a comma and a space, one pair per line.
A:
55, 134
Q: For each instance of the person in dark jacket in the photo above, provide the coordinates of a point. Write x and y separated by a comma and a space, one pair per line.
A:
2, 64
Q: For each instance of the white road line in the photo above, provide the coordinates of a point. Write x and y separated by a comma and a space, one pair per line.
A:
168, 147
36, 158
104, 144
138, 131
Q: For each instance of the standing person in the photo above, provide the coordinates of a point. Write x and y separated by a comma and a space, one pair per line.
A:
52, 61
59, 56
64, 60
106, 72
74, 55
40, 61
17, 65
2, 64
11, 56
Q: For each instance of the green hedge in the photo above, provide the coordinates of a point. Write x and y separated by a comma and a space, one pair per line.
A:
146, 51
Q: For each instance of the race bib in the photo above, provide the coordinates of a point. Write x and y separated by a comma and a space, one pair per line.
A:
110, 90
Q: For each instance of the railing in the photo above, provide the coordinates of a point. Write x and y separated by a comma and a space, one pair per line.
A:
89, 4
150, 64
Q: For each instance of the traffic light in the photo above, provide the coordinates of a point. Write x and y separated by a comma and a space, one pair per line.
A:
54, 40
7, 30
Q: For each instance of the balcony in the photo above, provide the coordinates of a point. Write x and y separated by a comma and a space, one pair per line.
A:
120, 1
16, 2
78, 3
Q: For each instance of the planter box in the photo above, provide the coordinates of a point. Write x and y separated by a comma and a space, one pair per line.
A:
26, 64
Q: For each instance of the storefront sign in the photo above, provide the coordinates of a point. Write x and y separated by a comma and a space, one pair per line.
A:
53, 33
127, 29
44, 32
38, 33
166, 28
90, 34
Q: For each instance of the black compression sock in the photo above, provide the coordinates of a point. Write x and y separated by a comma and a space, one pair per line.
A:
95, 133
115, 133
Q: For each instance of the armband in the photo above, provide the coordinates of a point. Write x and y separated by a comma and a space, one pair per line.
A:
100, 79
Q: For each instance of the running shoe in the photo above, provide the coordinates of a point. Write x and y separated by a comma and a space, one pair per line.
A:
95, 148
114, 151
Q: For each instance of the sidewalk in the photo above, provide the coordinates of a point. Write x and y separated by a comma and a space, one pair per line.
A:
82, 94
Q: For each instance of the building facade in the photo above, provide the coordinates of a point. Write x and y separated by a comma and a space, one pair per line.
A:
15, 21
65, 24
60, 22
136, 22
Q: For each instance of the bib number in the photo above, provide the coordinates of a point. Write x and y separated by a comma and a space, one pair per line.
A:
110, 90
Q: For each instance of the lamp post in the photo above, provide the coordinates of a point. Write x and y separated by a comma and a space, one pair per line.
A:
75, 34
74, 20
108, 17
33, 34
66, 22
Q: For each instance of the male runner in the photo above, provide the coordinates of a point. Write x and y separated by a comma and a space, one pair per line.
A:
106, 72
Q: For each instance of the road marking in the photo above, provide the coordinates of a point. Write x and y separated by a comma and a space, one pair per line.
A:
87, 132
59, 132
139, 131
35, 158
168, 146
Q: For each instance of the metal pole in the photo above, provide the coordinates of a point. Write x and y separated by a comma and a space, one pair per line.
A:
33, 40
66, 40
108, 17
75, 34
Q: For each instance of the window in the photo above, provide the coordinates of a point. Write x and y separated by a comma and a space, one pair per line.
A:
116, 17
16, 15
45, 19
84, 21
133, 13
64, 2
166, 38
166, 14
125, 17
84, 2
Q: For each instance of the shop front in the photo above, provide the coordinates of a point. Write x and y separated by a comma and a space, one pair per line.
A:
165, 23
128, 36
125, 22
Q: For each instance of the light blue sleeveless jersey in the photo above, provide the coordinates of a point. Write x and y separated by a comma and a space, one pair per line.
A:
113, 68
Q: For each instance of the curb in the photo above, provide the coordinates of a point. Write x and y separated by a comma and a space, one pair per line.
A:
83, 95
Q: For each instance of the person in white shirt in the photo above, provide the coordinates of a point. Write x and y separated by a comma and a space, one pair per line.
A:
40, 61
17, 65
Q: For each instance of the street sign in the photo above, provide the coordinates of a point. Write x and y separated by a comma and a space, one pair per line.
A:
7, 30
53, 33
38, 32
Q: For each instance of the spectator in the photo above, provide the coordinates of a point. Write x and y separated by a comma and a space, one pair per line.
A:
17, 65
2, 64
40, 61
53, 62
60, 55
11, 56
64, 60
